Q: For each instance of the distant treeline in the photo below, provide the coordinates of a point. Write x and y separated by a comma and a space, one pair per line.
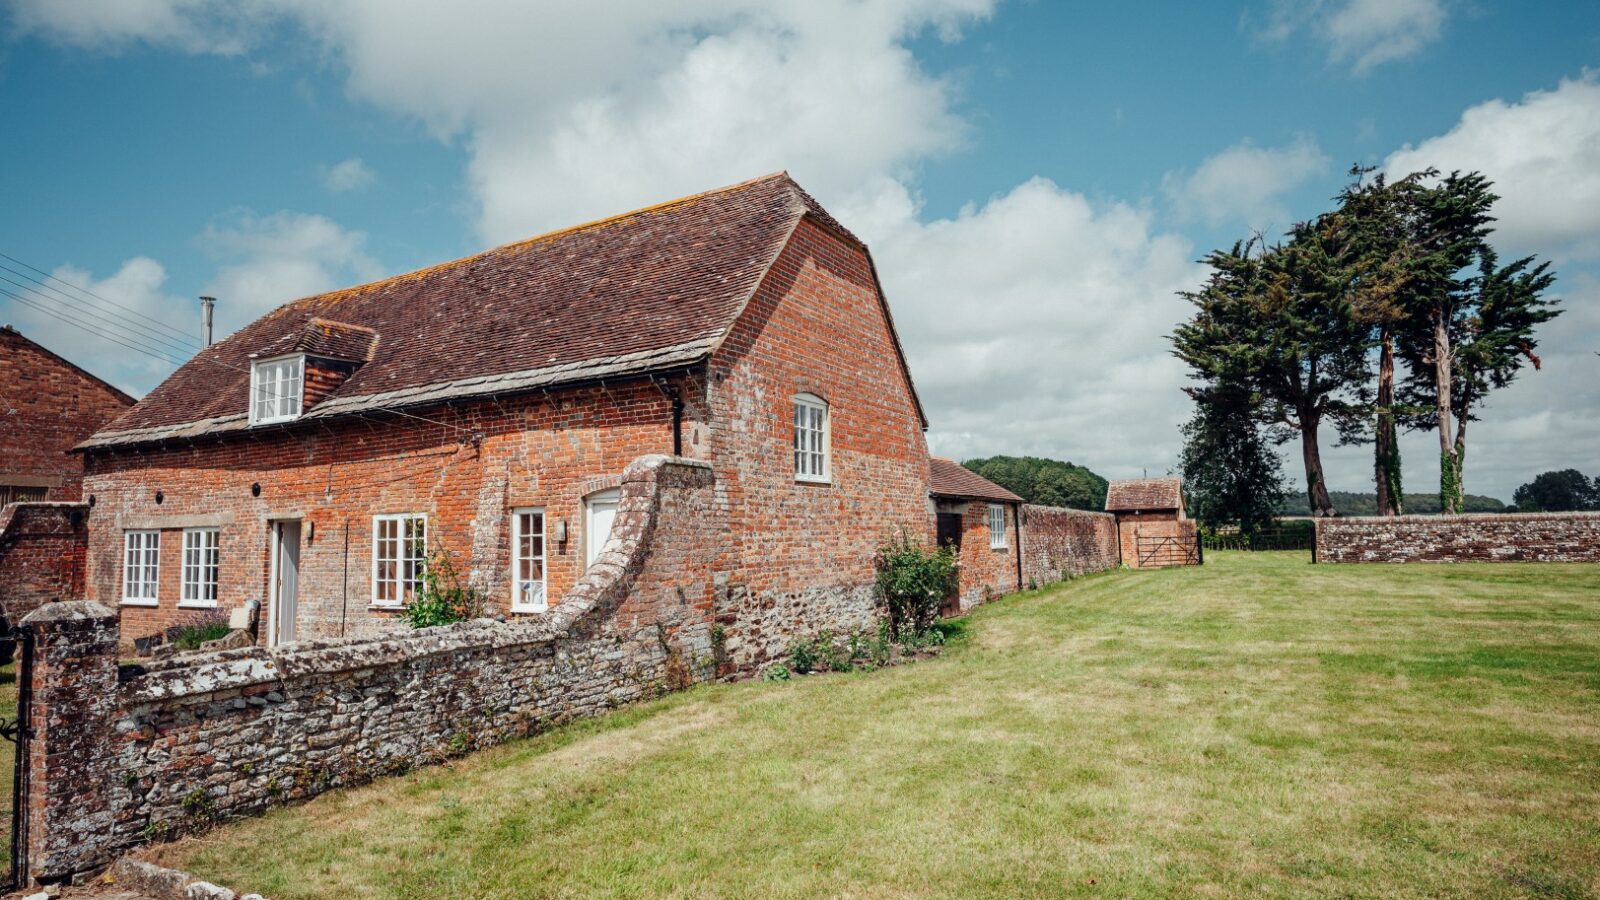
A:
1350, 503
1049, 482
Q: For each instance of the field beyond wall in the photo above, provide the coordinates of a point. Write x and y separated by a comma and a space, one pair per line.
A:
1256, 726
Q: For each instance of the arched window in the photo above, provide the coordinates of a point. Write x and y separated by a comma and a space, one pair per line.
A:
811, 439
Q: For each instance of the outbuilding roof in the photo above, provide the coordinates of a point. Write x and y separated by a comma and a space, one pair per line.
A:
641, 292
1144, 493
952, 479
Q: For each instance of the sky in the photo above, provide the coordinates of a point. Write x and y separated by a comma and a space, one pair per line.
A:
1037, 181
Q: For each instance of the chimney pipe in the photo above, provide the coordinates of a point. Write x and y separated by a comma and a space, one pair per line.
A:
206, 305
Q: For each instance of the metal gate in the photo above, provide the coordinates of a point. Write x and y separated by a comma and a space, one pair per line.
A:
16, 731
1168, 550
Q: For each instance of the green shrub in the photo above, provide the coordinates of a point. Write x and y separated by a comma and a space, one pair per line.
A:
913, 581
197, 628
776, 672
802, 655
443, 598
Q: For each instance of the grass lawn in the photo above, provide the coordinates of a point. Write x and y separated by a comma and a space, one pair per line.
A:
1256, 726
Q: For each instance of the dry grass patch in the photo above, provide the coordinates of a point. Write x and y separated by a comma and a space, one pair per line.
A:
1260, 725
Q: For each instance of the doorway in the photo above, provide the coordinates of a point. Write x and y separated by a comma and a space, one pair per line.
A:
285, 580
600, 510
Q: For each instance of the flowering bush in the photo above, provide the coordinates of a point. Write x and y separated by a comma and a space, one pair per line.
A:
912, 582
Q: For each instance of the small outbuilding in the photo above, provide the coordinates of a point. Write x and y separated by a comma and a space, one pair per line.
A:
980, 522
1152, 526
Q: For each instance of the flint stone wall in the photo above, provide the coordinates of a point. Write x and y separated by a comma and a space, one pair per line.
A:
131, 754
1058, 543
1522, 537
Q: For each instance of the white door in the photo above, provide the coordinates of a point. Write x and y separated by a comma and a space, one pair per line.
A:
285, 580
600, 510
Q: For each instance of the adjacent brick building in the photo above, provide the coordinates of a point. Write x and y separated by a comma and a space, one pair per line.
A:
1152, 527
483, 411
47, 405
979, 520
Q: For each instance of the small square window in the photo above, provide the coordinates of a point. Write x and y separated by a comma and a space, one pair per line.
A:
399, 557
527, 561
811, 439
276, 389
997, 526
141, 567
200, 557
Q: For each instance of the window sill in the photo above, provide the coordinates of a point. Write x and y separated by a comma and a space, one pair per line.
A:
812, 479
197, 604
275, 420
386, 607
144, 602
1001, 547
529, 610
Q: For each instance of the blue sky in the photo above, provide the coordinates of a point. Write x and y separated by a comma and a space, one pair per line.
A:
1036, 179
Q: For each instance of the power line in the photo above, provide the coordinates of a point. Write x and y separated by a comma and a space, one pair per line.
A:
84, 290
163, 354
110, 319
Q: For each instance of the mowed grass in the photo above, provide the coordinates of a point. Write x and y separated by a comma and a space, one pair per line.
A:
1256, 726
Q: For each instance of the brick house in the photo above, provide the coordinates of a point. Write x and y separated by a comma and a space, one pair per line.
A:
47, 405
981, 521
485, 409
1152, 526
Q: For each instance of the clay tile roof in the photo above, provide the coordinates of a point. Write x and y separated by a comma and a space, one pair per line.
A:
640, 292
952, 479
1144, 493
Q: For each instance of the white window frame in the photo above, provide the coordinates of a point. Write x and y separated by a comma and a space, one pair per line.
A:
997, 526
295, 397
418, 561
808, 409
202, 555
518, 536
141, 591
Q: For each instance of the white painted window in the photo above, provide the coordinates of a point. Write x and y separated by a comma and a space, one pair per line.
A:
527, 561
276, 389
399, 557
141, 567
811, 439
200, 555
600, 511
997, 526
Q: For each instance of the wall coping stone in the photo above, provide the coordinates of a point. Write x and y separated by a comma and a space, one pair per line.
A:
1461, 517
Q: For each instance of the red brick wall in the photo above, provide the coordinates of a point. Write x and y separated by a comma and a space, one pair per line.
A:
803, 552
47, 406
985, 572
1151, 524
41, 555
1527, 537
1058, 542
535, 451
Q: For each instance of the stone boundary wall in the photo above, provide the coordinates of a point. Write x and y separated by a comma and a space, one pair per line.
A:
1522, 537
1058, 543
42, 555
125, 755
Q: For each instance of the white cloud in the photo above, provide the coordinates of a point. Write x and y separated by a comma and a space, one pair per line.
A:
1361, 33
124, 328
266, 261
349, 175
1245, 182
1543, 155
198, 26
574, 111
1037, 323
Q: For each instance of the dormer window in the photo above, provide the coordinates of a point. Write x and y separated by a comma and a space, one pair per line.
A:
276, 389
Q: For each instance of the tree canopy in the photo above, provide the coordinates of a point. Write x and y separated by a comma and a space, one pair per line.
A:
1565, 491
1048, 482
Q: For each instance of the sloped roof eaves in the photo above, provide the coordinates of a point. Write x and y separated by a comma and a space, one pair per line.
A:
630, 365
952, 480
1144, 493
643, 281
